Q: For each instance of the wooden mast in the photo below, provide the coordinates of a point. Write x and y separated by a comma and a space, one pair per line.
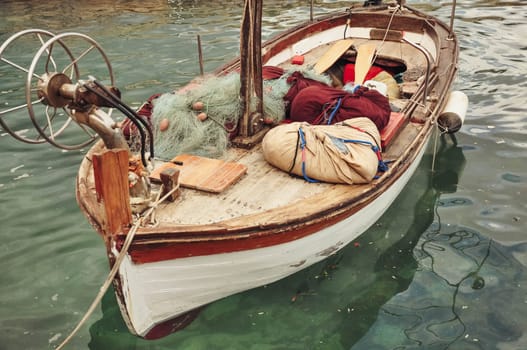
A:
251, 91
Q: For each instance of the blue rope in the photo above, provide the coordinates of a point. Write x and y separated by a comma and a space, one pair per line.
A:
334, 111
382, 166
302, 147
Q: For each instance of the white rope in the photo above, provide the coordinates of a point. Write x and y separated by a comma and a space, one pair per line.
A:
385, 33
127, 243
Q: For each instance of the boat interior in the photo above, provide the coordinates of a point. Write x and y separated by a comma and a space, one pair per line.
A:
242, 189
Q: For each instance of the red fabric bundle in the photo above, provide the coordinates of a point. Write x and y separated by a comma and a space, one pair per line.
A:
315, 104
298, 82
349, 73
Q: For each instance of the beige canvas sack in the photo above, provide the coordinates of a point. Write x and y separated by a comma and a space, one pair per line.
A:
325, 156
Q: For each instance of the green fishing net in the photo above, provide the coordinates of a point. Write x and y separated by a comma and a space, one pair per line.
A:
220, 97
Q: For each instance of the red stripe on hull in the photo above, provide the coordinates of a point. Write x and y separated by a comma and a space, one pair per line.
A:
145, 252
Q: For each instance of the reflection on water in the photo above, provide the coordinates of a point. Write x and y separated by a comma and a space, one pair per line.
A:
467, 291
443, 308
445, 267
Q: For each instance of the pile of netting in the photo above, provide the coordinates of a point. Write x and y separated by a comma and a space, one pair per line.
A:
201, 118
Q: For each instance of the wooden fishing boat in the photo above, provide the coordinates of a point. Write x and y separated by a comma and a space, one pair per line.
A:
233, 223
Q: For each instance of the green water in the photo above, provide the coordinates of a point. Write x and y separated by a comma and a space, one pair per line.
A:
444, 268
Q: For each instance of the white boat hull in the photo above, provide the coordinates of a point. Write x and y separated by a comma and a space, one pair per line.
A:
159, 291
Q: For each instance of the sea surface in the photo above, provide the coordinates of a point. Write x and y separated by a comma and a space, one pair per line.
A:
444, 268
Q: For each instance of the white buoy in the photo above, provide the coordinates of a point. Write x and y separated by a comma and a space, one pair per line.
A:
453, 115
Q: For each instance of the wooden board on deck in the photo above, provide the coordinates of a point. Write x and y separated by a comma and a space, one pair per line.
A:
332, 55
205, 174
364, 60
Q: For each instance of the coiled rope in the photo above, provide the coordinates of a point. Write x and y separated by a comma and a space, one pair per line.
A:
127, 243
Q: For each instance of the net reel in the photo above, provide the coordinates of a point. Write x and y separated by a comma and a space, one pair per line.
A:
56, 86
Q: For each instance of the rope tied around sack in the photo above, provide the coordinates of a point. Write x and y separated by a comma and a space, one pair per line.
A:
302, 138
382, 166
301, 144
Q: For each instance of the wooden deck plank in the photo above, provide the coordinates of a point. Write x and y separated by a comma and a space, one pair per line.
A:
205, 174
261, 190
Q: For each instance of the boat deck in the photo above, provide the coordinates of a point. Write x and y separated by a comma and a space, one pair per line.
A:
261, 189
265, 188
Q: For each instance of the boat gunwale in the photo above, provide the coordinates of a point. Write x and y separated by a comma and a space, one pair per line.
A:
282, 40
